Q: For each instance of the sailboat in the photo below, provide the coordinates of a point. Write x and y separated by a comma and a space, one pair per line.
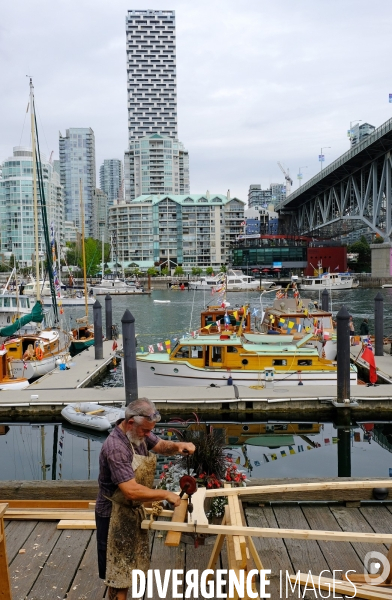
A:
82, 336
37, 352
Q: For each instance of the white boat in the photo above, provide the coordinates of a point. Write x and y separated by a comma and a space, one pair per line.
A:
236, 281
92, 415
8, 380
116, 286
329, 281
387, 285
12, 307
162, 301
70, 300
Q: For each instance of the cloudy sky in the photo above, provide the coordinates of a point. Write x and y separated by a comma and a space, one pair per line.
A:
258, 81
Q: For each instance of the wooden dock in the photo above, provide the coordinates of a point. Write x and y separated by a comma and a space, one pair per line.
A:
383, 364
48, 563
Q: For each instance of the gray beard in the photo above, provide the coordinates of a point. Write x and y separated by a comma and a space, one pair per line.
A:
134, 439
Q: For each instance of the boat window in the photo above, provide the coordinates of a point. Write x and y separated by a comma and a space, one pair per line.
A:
232, 349
217, 354
196, 351
183, 352
280, 427
279, 362
13, 302
7, 302
1, 301
304, 362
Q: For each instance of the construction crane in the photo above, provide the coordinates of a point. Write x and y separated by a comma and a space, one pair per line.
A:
289, 181
51, 158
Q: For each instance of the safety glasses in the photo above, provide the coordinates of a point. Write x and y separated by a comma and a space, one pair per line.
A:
155, 417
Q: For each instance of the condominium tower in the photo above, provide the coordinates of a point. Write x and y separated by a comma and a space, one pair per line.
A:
111, 179
152, 107
77, 162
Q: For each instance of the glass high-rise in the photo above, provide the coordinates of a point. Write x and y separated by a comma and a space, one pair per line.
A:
111, 179
152, 107
77, 162
17, 205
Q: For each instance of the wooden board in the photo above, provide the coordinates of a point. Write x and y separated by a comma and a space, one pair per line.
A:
352, 519
173, 538
61, 565
248, 492
58, 504
87, 583
166, 557
198, 515
17, 533
300, 534
77, 524
52, 514
55, 490
27, 567
5, 588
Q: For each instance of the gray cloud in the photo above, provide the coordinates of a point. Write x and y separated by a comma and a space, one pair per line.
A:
257, 81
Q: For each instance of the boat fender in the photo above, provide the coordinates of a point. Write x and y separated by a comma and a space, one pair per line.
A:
39, 353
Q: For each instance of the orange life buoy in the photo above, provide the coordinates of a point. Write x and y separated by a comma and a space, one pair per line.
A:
39, 353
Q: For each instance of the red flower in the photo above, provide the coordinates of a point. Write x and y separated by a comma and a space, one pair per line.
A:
202, 475
209, 485
165, 467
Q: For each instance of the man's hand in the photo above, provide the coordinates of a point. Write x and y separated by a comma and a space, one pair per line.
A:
185, 448
173, 498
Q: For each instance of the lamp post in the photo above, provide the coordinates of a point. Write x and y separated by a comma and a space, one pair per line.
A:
350, 135
299, 176
321, 157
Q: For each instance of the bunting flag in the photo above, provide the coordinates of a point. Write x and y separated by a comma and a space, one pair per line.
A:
271, 317
368, 356
290, 324
160, 346
309, 447
335, 440
238, 461
274, 457
283, 453
291, 449
151, 349
218, 324
299, 328
265, 458
174, 340
255, 312
308, 329
357, 436
282, 321
257, 463
327, 441
300, 448
142, 348
167, 344
235, 313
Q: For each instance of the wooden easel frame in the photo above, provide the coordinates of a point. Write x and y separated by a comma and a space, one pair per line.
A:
5, 586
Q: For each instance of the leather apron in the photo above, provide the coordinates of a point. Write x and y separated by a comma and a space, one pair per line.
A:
128, 544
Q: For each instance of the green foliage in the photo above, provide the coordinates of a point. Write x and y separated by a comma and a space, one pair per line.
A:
197, 271
362, 248
93, 255
165, 271
223, 269
209, 457
209, 271
178, 271
378, 239
152, 271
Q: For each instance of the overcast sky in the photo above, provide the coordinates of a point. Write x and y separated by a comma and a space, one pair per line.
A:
258, 81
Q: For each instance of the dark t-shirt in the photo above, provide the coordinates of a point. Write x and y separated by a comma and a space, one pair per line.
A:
115, 465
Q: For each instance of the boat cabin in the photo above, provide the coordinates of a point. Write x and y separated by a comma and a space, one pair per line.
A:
231, 352
213, 314
288, 316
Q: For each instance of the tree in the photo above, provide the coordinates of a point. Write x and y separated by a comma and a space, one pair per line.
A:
152, 271
197, 271
362, 248
178, 271
223, 269
209, 271
93, 250
165, 271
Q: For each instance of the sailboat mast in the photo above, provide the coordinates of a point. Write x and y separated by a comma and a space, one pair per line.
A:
83, 248
34, 189
103, 254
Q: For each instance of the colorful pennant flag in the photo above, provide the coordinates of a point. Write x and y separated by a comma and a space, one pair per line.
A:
151, 349
357, 436
283, 453
167, 344
327, 441
274, 457
238, 461
299, 327
300, 448
290, 324
335, 440
292, 451
160, 346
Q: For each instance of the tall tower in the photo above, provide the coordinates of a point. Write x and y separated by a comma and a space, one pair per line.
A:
77, 161
156, 162
151, 66
111, 178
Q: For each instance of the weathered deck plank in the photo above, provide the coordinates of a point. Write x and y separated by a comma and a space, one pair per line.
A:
26, 567
87, 583
351, 519
166, 557
17, 533
59, 571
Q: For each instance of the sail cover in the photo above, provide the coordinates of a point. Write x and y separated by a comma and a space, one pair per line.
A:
36, 316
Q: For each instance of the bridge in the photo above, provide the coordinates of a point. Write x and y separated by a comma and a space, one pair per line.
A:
351, 193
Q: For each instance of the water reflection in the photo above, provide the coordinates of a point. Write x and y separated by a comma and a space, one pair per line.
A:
263, 449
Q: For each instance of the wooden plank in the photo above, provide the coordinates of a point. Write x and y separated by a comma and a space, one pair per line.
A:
338, 556
295, 487
238, 541
198, 515
216, 549
366, 592
58, 504
47, 514
173, 538
353, 520
251, 545
28, 566
54, 490
61, 565
86, 583
5, 584
233, 565
17, 533
299, 534
77, 524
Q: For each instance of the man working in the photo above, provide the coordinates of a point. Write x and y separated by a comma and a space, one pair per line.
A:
126, 474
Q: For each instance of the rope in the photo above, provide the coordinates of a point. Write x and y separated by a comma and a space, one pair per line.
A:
156, 510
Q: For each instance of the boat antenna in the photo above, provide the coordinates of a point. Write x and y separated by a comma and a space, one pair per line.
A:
83, 248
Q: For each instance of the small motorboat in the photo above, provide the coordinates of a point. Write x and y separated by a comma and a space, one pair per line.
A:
162, 301
92, 415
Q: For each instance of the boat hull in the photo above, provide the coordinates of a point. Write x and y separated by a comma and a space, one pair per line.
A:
19, 384
104, 418
182, 374
69, 301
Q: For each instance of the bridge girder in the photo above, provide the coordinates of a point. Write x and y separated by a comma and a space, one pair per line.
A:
363, 195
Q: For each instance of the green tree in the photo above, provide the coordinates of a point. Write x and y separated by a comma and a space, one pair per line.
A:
223, 269
362, 248
165, 271
197, 271
209, 271
152, 271
178, 271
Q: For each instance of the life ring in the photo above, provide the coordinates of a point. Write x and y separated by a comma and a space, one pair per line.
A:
39, 353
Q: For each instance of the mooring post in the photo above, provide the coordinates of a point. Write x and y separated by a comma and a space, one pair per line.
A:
129, 362
325, 300
343, 355
98, 341
379, 325
108, 316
